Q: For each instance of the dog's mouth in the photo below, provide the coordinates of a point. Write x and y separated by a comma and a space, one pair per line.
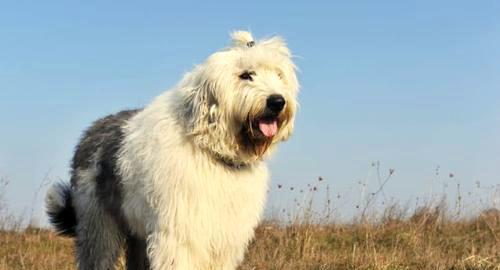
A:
264, 127
259, 132
267, 126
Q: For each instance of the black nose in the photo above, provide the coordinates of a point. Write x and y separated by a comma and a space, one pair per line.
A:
275, 103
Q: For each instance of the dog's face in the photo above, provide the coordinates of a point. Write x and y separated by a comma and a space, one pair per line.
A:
246, 99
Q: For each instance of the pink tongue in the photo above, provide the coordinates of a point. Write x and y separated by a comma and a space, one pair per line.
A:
267, 128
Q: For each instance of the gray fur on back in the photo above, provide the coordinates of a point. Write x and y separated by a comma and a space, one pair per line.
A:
98, 148
101, 230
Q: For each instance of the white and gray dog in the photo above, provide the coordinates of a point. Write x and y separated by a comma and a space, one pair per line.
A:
181, 183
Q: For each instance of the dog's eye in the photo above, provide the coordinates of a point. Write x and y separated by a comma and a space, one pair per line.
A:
247, 75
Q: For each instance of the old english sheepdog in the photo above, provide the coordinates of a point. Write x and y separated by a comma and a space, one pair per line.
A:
181, 184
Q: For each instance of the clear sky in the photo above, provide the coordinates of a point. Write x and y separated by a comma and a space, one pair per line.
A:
412, 85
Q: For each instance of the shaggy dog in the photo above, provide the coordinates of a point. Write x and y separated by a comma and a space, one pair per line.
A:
181, 183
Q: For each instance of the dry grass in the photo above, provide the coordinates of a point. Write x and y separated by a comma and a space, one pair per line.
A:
430, 237
426, 240
35, 249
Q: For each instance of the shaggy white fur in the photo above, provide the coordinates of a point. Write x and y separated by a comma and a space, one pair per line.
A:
191, 163
200, 213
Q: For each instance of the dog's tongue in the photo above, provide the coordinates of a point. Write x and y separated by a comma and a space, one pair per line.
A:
268, 128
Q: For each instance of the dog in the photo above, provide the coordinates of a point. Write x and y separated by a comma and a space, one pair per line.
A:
182, 182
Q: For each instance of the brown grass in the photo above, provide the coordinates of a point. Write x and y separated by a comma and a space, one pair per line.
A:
430, 237
35, 249
425, 240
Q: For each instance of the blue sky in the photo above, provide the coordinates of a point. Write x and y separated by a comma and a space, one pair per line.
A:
412, 85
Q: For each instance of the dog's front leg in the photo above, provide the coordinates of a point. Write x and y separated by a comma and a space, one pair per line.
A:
165, 252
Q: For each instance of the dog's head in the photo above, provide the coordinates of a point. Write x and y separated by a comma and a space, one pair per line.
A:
242, 101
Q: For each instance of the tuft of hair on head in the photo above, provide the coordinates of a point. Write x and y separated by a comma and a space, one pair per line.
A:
242, 39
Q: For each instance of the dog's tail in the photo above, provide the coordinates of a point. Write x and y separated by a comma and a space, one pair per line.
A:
59, 207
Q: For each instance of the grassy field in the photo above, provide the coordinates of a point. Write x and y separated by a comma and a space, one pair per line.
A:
430, 236
424, 240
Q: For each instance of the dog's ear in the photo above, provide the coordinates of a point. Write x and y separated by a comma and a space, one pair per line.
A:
242, 39
200, 107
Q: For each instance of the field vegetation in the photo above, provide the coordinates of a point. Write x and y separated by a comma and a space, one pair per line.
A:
433, 234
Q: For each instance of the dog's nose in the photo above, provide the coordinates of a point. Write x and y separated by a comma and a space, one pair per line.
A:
275, 103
